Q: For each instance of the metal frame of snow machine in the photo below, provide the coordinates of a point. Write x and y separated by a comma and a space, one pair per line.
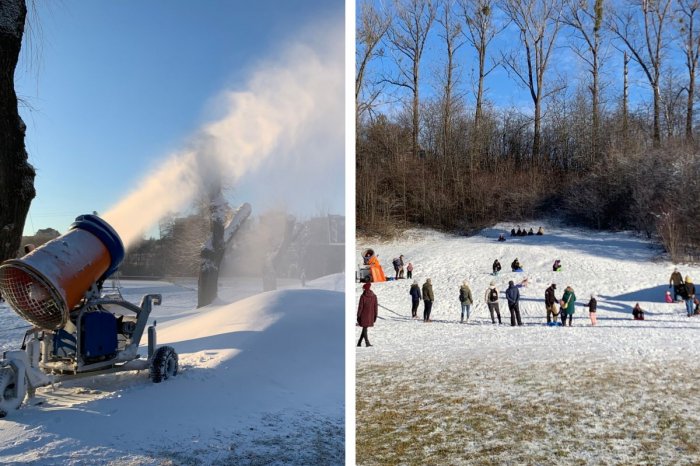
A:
96, 340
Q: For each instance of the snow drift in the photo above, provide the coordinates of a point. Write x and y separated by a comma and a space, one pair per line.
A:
268, 366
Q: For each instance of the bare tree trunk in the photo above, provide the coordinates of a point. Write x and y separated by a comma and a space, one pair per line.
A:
689, 107
16, 174
213, 250
625, 99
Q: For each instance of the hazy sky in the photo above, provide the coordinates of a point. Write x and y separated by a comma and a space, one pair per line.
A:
112, 88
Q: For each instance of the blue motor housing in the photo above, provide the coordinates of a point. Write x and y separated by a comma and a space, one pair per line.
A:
98, 336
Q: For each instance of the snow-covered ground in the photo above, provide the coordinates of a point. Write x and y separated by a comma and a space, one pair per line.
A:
448, 393
261, 382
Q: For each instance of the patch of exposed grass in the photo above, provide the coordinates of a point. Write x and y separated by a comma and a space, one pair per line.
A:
530, 414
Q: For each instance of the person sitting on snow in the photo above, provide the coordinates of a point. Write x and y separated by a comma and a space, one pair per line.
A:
540, 232
637, 312
512, 232
668, 298
515, 266
501, 237
530, 232
496, 267
556, 267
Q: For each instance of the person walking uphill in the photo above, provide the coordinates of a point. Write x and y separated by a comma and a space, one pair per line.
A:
415, 298
491, 299
367, 312
428, 299
550, 303
675, 281
513, 297
567, 305
465, 297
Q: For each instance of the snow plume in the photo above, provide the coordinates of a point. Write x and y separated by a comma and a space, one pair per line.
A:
289, 117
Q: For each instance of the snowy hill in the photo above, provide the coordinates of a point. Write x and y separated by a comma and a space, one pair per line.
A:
261, 380
617, 392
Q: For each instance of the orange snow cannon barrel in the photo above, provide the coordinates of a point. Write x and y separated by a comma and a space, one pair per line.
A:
47, 283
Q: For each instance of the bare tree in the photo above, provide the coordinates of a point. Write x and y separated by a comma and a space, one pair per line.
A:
451, 35
646, 47
538, 22
690, 35
478, 15
586, 18
407, 35
372, 26
224, 225
625, 96
16, 174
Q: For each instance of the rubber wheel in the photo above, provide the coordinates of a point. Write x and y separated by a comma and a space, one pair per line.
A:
163, 364
9, 398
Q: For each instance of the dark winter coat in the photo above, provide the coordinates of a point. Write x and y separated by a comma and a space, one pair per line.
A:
515, 265
683, 290
676, 279
549, 297
690, 290
512, 294
415, 293
592, 305
496, 266
368, 309
428, 292
570, 298
466, 293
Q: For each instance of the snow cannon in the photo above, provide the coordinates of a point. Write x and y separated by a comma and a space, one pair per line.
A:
46, 284
371, 270
78, 327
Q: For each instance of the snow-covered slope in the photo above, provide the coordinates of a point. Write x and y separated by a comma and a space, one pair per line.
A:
444, 392
262, 377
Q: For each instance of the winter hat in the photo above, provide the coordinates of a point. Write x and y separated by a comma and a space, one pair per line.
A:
554, 286
366, 286
668, 292
492, 284
511, 283
427, 280
465, 283
415, 282
687, 279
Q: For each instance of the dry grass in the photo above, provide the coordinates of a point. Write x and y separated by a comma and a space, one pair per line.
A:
527, 414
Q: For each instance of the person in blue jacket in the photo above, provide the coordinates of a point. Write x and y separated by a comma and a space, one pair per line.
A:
415, 298
513, 297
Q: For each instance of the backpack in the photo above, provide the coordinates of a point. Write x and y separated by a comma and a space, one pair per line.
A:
462, 298
493, 295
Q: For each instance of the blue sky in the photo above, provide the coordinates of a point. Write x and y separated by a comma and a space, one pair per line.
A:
110, 88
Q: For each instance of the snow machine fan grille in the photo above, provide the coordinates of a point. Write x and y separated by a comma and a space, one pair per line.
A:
31, 296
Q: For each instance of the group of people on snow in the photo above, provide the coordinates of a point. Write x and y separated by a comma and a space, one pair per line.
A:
563, 309
685, 290
398, 264
523, 232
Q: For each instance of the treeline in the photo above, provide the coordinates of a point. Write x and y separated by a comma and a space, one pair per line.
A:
582, 152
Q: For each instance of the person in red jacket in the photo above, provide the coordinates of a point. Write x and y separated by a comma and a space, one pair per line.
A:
367, 312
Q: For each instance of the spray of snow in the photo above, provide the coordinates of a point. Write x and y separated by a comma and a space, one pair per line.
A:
289, 111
